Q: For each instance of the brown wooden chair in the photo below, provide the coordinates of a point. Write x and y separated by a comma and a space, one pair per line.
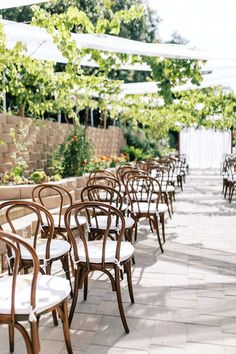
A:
40, 237
161, 174
25, 297
43, 194
144, 195
101, 254
111, 196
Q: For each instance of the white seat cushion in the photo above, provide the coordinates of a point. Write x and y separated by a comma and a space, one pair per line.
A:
167, 188
51, 290
81, 219
148, 208
102, 222
145, 196
57, 248
95, 251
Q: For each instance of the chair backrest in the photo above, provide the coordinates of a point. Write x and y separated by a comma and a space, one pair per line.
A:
92, 210
122, 169
101, 193
141, 165
141, 189
131, 173
14, 245
161, 174
104, 180
46, 192
101, 173
39, 217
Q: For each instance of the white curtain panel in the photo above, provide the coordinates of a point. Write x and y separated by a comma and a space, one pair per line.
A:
204, 147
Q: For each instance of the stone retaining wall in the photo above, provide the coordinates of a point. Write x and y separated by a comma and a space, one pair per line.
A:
44, 137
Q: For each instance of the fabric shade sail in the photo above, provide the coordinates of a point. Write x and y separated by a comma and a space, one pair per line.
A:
7, 4
221, 78
39, 42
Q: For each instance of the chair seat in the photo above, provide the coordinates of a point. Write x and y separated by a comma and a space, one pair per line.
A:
100, 222
81, 219
145, 196
95, 251
57, 249
167, 188
151, 208
50, 291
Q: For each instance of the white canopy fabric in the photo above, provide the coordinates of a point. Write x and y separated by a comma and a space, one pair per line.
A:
221, 78
7, 4
40, 44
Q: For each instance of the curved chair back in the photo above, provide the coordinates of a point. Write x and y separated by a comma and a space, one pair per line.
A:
104, 194
143, 189
42, 194
101, 173
39, 215
92, 210
104, 180
14, 245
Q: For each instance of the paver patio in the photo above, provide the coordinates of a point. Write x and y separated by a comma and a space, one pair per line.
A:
185, 299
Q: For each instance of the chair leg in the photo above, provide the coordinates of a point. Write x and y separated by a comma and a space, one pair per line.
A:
78, 274
162, 219
166, 198
119, 299
136, 230
171, 202
231, 192
34, 337
26, 337
11, 337
226, 188
86, 287
66, 267
65, 323
129, 281
158, 234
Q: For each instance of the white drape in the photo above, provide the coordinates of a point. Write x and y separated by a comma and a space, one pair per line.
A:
204, 147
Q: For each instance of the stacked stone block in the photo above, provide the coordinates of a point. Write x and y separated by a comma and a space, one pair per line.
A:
44, 138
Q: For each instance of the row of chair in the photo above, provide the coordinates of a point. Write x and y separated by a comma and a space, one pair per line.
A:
94, 234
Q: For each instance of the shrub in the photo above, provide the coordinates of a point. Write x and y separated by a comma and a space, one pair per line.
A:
39, 177
75, 153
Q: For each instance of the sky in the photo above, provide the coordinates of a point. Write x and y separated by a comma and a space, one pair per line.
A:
207, 24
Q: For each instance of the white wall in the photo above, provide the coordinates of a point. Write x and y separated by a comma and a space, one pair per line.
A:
204, 147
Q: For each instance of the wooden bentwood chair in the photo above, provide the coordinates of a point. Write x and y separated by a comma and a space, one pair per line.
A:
41, 239
25, 297
144, 196
102, 253
64, 199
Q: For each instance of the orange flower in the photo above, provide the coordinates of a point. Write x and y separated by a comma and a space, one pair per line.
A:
74, 138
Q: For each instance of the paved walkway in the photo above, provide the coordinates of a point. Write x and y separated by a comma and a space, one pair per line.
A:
185, 299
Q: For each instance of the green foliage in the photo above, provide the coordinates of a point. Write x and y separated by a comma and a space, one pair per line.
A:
21, 154
135, 154
39, 177
140, 144
76, 153
38, 87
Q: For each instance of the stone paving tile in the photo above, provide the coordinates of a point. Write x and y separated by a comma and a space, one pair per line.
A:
185, 299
